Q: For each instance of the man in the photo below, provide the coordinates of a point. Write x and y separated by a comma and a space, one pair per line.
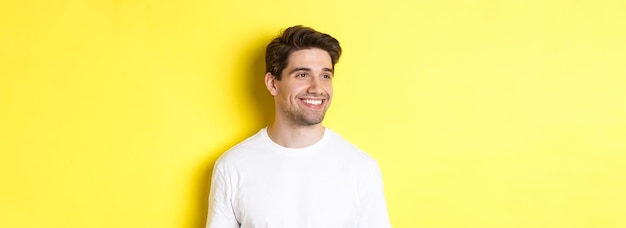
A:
296, 173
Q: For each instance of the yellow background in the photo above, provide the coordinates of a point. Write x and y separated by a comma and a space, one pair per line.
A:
481, 113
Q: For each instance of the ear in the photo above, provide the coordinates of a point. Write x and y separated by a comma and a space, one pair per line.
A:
270, 83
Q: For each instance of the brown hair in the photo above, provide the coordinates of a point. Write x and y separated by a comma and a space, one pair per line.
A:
297, 38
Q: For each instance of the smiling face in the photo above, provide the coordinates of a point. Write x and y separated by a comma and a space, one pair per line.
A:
304, 93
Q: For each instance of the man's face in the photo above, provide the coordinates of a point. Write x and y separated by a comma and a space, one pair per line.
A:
304, 93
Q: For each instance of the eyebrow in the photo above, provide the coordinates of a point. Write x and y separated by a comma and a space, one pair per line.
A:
326, 69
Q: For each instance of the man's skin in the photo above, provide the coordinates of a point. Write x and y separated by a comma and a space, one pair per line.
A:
301, 98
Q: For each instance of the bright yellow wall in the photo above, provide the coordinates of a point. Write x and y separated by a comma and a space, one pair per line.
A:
481, 113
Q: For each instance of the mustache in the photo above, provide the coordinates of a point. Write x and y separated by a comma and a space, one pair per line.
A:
310, 95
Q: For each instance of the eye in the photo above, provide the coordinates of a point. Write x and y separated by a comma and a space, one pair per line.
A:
301, 75
327, 76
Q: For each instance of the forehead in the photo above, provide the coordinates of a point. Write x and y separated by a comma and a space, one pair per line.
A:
310, 58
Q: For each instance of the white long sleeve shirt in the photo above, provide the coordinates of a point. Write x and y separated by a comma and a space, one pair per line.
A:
260, 184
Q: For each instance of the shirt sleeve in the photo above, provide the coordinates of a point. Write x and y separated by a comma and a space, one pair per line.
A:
221, 212
373, 212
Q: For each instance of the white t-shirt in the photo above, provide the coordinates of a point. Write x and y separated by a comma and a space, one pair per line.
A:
331, 183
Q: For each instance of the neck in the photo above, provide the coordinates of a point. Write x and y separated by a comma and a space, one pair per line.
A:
295, 136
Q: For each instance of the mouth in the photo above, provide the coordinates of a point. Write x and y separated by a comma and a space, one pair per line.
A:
313, 103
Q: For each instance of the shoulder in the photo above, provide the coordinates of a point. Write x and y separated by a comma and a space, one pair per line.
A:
349, 150
243, 150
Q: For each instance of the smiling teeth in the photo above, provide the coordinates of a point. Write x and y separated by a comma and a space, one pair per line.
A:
313, 102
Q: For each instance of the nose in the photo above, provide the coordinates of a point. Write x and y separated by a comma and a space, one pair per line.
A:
315, 86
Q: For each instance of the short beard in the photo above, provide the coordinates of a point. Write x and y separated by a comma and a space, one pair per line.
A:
303, 120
